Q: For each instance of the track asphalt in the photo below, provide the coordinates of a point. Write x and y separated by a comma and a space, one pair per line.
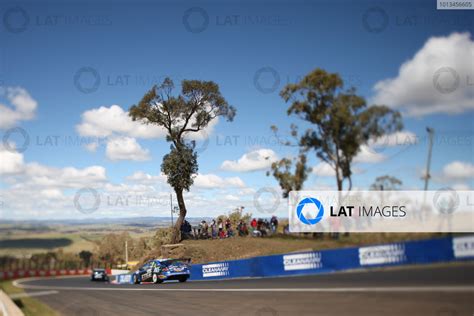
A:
417, 290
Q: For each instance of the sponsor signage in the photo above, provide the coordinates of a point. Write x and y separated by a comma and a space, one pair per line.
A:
463, 247
215, 270
302, 261
383, 254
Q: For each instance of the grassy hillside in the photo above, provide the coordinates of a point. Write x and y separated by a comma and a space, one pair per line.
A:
237, 248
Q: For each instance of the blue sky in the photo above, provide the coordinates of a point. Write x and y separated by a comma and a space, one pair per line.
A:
50, 51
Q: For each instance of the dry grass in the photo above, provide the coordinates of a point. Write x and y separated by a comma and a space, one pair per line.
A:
245, 247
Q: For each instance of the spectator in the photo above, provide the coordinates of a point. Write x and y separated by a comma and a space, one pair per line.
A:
259, 224
220, 226
242, 229
204, 230
228, 228
213, 229
186, 230
274, 224
253, 223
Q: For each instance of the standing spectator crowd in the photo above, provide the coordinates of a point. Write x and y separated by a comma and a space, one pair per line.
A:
221, 228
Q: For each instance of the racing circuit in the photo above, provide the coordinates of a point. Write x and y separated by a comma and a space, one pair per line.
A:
436, 290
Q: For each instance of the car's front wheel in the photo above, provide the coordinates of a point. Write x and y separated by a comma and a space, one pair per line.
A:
156, 279
183, 279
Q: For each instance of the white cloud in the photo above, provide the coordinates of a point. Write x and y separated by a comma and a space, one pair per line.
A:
368, 155
24, 107
323, 169
254, 160
423, 85
145, 178
458, 170
37, 175
212, 181
113, 120
126, 148
11, 162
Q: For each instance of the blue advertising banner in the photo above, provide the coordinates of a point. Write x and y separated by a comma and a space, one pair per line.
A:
313, 262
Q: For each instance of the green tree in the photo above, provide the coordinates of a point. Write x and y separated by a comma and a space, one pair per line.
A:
387, 183
290, 180
85, 257
339, 123
191, 111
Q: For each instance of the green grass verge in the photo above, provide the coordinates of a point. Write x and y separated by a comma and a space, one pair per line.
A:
28, 305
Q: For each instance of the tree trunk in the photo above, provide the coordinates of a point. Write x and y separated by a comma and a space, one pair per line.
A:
338, 178
176, 237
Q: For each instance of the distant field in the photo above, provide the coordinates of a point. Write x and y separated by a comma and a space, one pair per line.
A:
21, 241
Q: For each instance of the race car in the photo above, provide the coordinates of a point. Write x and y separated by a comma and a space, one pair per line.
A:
159, 270
99, 275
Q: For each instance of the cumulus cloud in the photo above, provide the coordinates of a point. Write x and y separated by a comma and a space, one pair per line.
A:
437, 79
145, 178
458, 170
113, 120
323, 169
368, 155
38, 176
11, 162
126, 148
23, 106
212, 181
252, 161
114, 125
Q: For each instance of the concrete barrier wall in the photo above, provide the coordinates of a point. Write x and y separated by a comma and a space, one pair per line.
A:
8, 307
324, 261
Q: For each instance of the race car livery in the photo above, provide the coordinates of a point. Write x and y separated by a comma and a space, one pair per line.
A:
99, 275
159, 270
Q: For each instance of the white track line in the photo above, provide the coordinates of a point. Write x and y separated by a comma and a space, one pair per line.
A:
391, 289
32, 294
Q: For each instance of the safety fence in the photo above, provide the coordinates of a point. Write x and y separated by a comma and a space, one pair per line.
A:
313, 262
